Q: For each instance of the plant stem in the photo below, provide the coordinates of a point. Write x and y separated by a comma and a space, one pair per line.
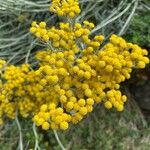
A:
36, 138
20, 133
58, 140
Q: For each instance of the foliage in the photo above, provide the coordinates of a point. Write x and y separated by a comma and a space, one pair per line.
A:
72, 74
105, 129
139, 31
16, 17
21, 48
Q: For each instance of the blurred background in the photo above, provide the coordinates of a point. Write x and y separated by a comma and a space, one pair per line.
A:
101, 129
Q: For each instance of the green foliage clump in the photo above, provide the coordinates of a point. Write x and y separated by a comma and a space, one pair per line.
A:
102, 129
139, 31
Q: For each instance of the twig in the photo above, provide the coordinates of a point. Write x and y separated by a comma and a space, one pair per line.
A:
58, 140
20, 133
111, 20
29, 51
36, 146
129, 18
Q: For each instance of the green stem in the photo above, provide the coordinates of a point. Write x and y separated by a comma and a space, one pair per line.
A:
20, 133
58, 140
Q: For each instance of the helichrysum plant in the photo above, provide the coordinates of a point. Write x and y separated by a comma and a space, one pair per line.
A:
75, 72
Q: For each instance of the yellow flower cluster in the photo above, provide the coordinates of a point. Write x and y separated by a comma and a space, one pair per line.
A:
11, 90
40, 30
59, 119
68, 83
73, 74
67, 8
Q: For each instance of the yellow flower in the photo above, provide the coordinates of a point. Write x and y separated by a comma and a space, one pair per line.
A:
108, 104
88, 92
90, 101
69, 105
45, 126
141, 64
64, 125
83, 110
43, 108
81, 102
